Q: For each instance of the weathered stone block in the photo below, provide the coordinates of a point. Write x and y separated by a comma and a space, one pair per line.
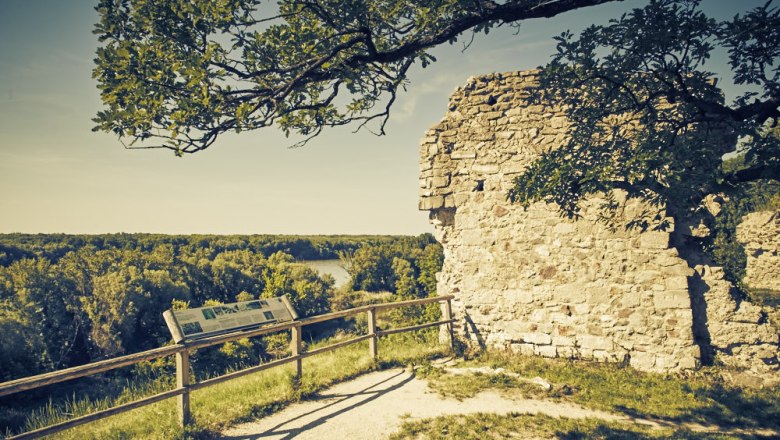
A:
748, 313
537, 338
654, 240
676, 283
519, 297
459, 155
542, 250
642, 361
605, 356
560, 318
594, 342
666, 363
524, 349
472, 237
429, 203
631, 299
679, 299
500, 211
582, 309
440, 182
563, 341
570, 294
538, 315
461, 199
647, 276
485, 169
449, 201
564, 228
549, 351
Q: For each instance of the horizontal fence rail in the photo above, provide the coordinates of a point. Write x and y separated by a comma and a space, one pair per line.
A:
182, 351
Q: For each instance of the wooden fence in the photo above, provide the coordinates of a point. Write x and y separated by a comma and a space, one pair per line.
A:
182, 353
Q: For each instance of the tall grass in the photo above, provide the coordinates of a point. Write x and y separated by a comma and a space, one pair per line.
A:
84, 396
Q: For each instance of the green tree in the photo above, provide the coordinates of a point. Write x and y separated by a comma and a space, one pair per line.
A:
237, 271
41, 303
9, 254
371, 269
405, 279
643, 105
429, 263
158, 290
112, 309
22, 348
308, 292
180, 73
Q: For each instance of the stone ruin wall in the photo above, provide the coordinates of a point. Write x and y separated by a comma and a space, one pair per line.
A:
759, 233
536, 283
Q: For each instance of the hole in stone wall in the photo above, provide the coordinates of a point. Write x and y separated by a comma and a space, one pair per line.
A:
480, 185
442, 216
491, 100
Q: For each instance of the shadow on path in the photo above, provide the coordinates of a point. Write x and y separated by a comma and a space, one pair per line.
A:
282, 432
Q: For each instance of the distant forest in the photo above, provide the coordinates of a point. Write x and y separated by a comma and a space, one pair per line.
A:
67, 300
301, 247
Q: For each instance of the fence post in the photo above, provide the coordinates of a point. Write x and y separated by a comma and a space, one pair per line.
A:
295, 347
183, 381
372, 332
446, 311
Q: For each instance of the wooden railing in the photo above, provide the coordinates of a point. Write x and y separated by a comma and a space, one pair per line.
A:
182, 353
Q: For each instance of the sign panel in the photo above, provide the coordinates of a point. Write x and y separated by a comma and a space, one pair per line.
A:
211, 320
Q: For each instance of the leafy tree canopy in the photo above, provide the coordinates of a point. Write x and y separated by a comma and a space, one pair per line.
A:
178, 74
647, 115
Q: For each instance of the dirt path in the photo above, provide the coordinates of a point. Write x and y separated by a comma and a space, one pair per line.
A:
374, 405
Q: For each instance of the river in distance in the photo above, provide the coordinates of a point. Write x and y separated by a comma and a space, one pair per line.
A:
332, 267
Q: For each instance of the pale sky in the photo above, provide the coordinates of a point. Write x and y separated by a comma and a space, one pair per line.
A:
56, 175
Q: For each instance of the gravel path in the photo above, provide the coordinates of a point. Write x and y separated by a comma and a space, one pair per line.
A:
374, 405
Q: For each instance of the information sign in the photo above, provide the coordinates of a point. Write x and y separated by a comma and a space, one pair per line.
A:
211, 320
